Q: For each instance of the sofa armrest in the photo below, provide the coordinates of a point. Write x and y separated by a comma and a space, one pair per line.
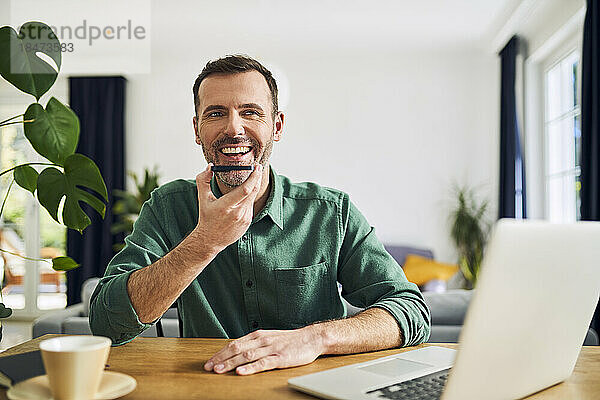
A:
53, 321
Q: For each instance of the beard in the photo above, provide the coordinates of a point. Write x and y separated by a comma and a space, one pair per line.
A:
261, 155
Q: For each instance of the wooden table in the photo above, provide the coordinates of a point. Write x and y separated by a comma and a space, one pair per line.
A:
172, 368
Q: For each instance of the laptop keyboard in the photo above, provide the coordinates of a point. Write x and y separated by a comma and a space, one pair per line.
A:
422, 388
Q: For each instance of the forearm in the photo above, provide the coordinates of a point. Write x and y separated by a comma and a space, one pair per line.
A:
154, 288
371, 330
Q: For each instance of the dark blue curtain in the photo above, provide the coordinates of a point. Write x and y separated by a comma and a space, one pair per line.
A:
590, 121
99, 102
512, 168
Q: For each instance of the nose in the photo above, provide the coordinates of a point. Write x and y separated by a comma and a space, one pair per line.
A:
235, 125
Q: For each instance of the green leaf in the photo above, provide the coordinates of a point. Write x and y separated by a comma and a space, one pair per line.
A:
5, 312
19, 63
53, 185
64, 264
26, 177
54, 133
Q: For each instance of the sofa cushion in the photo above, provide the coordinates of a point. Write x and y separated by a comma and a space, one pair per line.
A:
76, 326
420, 270
171, 313
444, 334
52, 322
448, 308
399, 253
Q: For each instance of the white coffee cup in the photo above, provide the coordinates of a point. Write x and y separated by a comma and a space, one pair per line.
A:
74, 365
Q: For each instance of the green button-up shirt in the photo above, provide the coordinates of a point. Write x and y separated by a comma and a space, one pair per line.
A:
281, 274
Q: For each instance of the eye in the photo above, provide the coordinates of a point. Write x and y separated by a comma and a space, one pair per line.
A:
214, 114
250, 112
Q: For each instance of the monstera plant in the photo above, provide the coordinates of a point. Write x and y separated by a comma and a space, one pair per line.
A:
53, 131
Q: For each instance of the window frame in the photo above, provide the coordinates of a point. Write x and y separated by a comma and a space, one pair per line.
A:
557, 55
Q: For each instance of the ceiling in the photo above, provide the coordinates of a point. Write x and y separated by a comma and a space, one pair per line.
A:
308, 28
351, 24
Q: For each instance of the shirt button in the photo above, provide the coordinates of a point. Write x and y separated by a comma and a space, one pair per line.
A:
245, 238
254, 324
249, 283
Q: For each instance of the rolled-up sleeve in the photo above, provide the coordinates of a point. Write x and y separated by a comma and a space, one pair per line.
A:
370, 277
111, 312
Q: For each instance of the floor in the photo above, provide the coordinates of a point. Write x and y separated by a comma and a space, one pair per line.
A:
45, 301
14, 333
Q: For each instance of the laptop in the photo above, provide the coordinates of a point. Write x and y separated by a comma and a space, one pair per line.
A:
537, 291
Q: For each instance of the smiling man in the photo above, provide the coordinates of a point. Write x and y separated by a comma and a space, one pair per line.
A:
252, 256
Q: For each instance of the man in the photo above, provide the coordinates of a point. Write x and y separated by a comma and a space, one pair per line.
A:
250, 255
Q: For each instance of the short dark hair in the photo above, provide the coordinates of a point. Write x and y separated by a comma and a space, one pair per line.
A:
234, 64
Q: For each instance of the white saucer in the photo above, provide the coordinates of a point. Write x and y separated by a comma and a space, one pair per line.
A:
112, 385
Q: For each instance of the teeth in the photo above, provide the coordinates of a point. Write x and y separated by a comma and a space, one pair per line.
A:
234, 150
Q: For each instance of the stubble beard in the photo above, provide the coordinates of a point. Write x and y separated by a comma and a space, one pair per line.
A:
236, 178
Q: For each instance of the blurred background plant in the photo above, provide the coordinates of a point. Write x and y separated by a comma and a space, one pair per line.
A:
53, 132
128, 207
469, 232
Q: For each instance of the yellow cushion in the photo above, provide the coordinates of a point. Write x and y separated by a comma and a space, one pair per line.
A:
421, 270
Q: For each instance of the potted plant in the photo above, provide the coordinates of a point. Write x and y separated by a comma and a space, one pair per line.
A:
469, 232
53, 132
129, 205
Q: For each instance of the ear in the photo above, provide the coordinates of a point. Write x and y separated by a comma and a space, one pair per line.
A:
278, 126
196, 132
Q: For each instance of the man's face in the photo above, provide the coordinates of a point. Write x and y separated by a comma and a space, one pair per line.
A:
234, 122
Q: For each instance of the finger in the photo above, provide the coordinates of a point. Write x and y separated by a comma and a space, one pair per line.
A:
248, 202
263, 364
250, 193
237, 345
244, 357
230, 350
203, 184
238, 194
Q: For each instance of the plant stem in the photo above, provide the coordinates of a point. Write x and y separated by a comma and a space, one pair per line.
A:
26, 258
33, 163
6, 197
11, 118
1, 212
11, 123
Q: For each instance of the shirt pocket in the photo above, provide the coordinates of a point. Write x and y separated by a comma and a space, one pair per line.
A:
304, 295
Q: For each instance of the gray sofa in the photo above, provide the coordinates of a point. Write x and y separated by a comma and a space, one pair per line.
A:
448, 311
73, 320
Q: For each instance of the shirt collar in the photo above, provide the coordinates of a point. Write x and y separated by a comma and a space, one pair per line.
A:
274, 205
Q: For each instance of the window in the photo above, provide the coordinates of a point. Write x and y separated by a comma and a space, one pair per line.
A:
29, 286
562, 137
